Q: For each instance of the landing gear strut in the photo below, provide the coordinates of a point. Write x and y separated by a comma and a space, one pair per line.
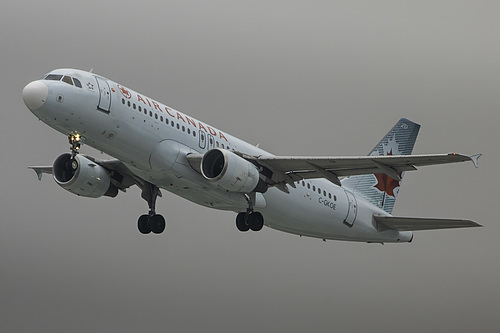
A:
76, 141
250, 220
151, 221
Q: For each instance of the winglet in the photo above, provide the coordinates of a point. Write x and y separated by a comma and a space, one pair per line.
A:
39, 173
41, 170
474, 158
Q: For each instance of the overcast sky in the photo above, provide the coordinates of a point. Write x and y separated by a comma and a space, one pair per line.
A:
300, 78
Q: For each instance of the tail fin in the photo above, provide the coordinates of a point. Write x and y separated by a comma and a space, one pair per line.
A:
380, 189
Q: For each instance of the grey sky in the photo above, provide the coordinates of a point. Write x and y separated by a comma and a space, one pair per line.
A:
298, 77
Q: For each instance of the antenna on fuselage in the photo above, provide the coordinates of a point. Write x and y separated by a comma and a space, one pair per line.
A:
91, 70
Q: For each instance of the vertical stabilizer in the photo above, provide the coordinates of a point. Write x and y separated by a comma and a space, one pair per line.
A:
380, 189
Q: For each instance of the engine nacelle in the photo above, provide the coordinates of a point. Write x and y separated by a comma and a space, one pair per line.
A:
231, 172
81, 176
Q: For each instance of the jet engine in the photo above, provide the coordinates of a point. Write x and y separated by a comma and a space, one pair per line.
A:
231, 172
82, 177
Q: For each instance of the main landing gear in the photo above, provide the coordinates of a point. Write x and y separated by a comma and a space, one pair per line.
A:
147, 223
250, 220
151, 222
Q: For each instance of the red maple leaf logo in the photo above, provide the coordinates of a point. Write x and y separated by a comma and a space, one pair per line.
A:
387, 184
125, 92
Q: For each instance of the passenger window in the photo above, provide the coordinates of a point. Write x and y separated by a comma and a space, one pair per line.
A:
123, 101
329, 195
134, 106
67, 80
53, 77
183, 129
161, 118
156, 115
308, 186
77, 83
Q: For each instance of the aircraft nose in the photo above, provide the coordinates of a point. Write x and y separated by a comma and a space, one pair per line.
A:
35, 94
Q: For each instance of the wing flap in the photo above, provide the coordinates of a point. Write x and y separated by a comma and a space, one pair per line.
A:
420, 223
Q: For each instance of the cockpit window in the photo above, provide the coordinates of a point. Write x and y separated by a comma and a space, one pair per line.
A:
53, 77
67, 79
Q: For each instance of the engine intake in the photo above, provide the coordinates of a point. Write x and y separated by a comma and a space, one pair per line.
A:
81, 176
231, 172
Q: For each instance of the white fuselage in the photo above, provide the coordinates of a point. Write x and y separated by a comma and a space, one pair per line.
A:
152, 140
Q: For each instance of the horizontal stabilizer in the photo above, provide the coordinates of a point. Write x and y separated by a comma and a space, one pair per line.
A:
419, 223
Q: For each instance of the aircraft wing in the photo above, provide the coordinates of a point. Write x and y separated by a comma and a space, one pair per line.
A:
289, 169
419, 223
282, 170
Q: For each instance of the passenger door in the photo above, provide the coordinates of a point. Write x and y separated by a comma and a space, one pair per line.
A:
104, 94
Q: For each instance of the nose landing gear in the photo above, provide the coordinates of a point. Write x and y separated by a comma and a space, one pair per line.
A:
76, 141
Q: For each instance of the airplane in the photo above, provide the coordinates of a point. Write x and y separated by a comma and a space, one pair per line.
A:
154, 146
